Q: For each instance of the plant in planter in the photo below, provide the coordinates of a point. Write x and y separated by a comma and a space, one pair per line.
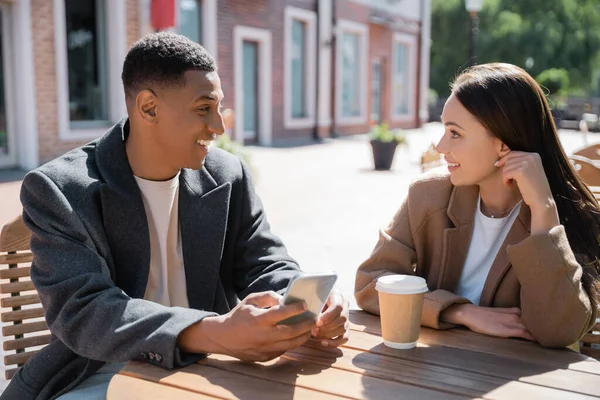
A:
383, 143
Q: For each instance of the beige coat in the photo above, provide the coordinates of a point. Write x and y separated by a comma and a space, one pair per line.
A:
430, 236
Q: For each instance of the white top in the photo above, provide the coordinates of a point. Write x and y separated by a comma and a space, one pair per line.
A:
488, 236
166, 280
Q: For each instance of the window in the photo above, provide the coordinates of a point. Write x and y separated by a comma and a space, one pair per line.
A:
250, 71
352, 72
404, 70
376, 85
252, 52
90, 43
401, 79
190, 15
86, 60
350, 75
298, 69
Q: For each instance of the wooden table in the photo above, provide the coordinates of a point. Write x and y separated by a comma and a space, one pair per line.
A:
445, 365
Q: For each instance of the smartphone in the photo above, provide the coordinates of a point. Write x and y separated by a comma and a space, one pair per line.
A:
314, 289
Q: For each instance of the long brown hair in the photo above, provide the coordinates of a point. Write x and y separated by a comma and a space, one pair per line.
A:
512, 106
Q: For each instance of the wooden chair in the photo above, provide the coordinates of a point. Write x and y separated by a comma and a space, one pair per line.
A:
590, 343
28, 329
588, 169
431, 159
592, 152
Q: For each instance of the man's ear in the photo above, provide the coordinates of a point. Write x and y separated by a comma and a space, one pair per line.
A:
147, 106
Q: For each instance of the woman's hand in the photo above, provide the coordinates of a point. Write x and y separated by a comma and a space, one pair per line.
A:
527, 171
492, 321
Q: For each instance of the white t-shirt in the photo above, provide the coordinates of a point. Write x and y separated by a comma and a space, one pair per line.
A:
166, 280
488, 236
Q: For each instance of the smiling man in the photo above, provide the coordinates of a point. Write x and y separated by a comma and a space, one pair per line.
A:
149, 245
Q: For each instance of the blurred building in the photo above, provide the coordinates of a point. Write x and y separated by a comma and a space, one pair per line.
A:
289, 68
60, 82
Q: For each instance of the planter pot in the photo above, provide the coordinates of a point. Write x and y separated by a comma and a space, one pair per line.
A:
383, 154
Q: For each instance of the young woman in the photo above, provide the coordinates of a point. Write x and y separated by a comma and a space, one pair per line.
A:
508, 237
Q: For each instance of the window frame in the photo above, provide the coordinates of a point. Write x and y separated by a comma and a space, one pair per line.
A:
362, 30
265, 82
309, 18
410, 42
115, 33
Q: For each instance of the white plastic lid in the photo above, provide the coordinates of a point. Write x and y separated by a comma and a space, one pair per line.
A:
401, 284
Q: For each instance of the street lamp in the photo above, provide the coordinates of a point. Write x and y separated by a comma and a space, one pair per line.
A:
473, 8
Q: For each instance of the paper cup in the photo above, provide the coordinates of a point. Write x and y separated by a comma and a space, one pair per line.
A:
401, 306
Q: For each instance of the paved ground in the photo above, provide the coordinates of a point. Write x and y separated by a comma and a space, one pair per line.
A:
324, 200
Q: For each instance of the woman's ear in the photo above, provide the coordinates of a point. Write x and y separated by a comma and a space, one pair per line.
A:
504, 150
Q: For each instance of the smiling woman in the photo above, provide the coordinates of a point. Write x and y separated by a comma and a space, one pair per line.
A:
507, 238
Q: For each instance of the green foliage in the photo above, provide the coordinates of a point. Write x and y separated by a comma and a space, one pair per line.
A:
554, 79
2, 138
450, 43
382, 133
226, 143
432, 96
536, 35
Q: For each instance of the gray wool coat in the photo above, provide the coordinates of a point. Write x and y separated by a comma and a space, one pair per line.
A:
91, 249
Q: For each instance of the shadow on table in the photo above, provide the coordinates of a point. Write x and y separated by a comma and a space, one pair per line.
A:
439, 371
275, 380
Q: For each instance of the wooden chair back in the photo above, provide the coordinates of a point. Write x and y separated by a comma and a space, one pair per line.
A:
592, 152
590, 343
431, 159
588, 169
19, 299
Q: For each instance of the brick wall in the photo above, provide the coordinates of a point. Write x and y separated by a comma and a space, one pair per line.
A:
347, 10
262, 14
133, 21
42, 19
380, 46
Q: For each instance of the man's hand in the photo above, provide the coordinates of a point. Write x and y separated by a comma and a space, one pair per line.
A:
249, 331
492, 321
332, 326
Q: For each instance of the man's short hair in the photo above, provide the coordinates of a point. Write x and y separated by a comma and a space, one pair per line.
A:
161, 59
